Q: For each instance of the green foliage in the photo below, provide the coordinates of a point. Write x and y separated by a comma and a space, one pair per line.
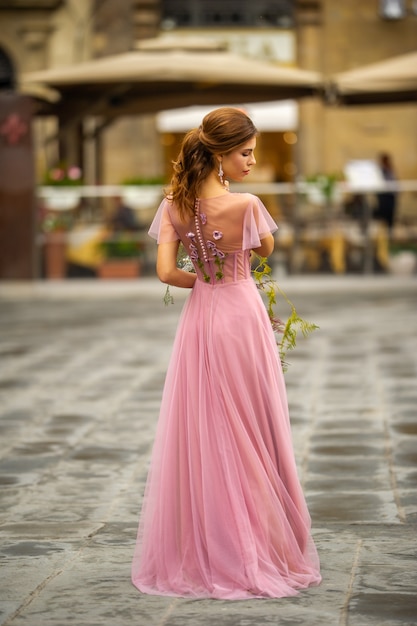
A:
55, 221
397, 248
63, 175
219, 263
142, 180
184, 262
289, 337
266, 284
262, 274
168, 299
325, 182
121, 247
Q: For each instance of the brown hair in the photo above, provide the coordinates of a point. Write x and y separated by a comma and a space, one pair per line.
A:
221, 131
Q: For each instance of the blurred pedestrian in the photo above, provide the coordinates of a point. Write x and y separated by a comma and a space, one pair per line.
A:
356, 208
224, 515
386, 201
123, 217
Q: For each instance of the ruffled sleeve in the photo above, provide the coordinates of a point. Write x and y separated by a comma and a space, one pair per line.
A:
162, 228
257, 224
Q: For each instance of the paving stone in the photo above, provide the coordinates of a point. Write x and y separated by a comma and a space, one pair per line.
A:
82, 365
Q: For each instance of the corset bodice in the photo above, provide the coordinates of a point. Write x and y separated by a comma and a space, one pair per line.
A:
233, 267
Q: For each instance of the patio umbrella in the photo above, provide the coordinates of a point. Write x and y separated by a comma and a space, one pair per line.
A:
391, 81
155, 78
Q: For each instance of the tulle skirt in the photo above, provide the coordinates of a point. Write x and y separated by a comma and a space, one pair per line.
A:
223, 514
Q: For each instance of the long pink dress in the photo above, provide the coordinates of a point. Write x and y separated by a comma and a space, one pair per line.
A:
223, 515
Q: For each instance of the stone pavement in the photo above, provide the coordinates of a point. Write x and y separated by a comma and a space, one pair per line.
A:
81, 372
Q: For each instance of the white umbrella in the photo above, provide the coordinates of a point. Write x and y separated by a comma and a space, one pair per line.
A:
391, 81
155, 79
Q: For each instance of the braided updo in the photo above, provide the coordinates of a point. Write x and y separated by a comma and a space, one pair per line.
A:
221, 131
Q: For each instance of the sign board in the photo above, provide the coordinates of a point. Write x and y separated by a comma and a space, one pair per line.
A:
363, 174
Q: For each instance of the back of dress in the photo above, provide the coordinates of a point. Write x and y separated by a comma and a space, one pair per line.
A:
223, 514
220, 235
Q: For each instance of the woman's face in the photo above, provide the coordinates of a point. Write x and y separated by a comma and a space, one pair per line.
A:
238, 163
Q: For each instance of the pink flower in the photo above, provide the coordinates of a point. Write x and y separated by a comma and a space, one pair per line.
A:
74, 173
57, 174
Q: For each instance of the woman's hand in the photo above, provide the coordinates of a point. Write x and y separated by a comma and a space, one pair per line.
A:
166, 267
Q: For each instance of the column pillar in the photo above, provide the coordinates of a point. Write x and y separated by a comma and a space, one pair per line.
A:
17, 183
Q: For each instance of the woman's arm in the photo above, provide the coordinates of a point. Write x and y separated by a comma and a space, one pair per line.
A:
267, 246
166, 266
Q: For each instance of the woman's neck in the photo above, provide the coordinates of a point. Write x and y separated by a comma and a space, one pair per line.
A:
212, 187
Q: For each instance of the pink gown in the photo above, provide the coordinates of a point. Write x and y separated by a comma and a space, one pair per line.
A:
223, 514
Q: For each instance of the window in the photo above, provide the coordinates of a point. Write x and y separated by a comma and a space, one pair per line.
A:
227, 13
7, 75
392, 9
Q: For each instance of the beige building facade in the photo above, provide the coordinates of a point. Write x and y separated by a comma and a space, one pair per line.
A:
327, 36
347, 35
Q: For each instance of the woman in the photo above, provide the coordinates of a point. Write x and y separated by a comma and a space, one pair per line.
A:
223, 515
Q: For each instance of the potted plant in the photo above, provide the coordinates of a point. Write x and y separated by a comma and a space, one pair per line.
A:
322, 188
402, 258
61, 185
54, 227
122, 256
143, 193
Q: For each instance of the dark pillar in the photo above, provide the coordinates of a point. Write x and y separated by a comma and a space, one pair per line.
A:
17, 184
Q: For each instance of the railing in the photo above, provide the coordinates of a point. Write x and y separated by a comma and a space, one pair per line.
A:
305, 228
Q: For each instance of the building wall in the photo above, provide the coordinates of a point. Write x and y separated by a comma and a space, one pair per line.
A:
25, 38
353, 34
131, 145
345, 36
329, 36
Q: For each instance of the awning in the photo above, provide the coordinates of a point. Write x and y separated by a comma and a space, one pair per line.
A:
152, 80
281, 115
391, 81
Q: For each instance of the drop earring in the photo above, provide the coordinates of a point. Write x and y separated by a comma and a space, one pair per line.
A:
221, 173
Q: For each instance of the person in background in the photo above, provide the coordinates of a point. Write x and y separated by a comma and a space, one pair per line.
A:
123, 217
386, 201
356, 208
